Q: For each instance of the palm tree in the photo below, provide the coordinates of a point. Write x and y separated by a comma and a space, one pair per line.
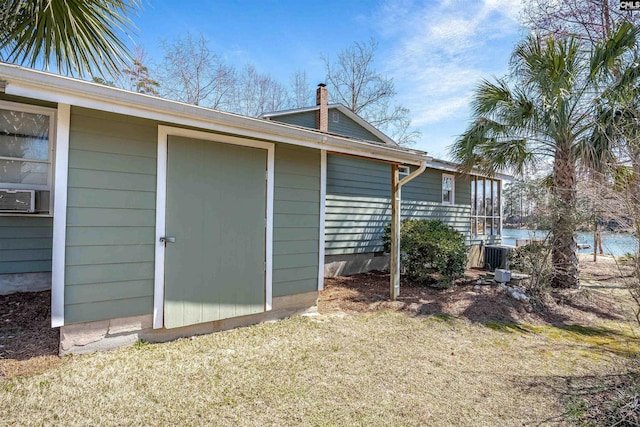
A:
547, 110
76, 36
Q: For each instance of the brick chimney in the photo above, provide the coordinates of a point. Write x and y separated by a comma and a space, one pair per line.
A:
322, 115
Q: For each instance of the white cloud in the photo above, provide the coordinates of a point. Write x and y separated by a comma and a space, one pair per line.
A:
438, 51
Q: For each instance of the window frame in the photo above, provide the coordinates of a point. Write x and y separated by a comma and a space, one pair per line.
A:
489, 216
50, 186
453, 189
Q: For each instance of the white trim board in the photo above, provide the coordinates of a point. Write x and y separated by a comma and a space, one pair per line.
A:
323, 210
161, 205
161, 209
61, 167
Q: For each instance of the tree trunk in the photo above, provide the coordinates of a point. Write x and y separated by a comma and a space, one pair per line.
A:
564, 250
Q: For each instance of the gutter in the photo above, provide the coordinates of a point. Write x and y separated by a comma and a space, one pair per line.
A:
53, 88
452, 167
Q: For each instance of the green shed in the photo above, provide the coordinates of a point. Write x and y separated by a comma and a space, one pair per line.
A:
154, 219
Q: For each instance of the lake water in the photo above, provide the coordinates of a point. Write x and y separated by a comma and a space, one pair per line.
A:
613, 243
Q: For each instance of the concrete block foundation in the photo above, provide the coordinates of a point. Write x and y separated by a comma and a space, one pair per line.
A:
109, 334
24, 282
344, 265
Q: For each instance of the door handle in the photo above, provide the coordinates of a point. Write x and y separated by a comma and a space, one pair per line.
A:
167, 239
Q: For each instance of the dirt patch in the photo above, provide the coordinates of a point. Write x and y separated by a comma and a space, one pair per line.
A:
28, 344
479, 303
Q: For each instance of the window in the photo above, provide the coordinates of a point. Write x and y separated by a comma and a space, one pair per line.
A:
26, 153
335, 117
404, 171
448, 189
485, 206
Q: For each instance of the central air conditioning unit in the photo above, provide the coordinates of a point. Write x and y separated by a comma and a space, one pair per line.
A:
15, 201
496, 256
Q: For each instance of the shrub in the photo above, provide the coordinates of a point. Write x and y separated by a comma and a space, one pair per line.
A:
534, 259
428, 247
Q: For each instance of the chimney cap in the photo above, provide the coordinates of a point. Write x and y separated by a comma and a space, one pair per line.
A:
321, 85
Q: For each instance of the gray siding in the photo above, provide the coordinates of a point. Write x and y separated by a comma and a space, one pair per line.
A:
305, 119
110, 216
25, 244
296, 220
359, 206
346, 126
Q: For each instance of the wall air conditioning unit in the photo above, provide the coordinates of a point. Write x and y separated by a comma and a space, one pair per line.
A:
17, 201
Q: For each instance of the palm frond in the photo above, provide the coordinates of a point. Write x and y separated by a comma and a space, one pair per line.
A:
491, 97
605, 56
74, 36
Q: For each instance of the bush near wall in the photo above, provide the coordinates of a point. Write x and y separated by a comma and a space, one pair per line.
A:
430, 251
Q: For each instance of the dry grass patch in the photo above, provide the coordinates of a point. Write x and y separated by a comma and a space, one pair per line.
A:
469, 355
383, 368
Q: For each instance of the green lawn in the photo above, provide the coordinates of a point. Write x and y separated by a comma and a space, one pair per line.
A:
382, 368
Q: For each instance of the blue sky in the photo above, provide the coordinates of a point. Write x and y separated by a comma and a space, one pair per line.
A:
436, 51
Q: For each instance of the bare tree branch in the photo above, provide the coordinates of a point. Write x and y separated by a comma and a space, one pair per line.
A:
192, 73
354, 83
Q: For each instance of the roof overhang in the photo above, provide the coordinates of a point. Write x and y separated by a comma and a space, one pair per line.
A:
453, 167
45, 86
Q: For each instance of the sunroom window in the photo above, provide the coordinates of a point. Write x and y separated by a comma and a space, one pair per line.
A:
26, 155
485, 207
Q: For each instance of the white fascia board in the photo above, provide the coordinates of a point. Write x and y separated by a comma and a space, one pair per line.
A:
452, 167
290, 111
53, 88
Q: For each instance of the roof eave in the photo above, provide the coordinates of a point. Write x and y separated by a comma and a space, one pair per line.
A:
53, 88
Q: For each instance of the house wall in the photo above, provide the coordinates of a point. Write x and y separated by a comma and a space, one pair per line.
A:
305, 119
25, 241
359, 205
25, 244
111, 217
344, 125
296, 221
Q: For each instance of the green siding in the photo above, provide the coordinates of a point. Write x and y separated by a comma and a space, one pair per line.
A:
359, 206
110, 216
305, 119
348, 127
25, 244
343, 126
296, 220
